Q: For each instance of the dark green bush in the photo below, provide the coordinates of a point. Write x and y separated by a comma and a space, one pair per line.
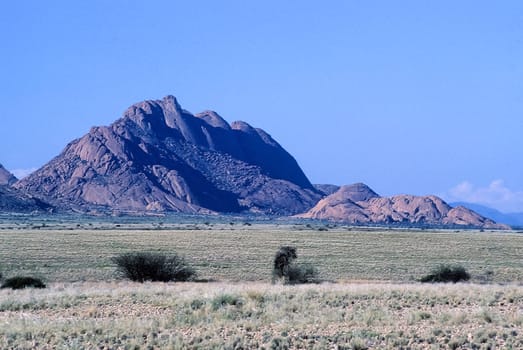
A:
291, 273
446, 273
302, 273
21, 282
144, 266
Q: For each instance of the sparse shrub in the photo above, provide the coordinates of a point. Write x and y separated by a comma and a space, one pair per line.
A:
447, 273
226, 299
284, 267
21, 282
143, 266
197, 304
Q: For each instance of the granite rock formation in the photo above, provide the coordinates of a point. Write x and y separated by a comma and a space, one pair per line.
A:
358, 204
160, 157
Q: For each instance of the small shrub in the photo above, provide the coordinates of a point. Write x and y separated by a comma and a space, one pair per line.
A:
226, 299
197, 304
21, 282
304, 273
142, 267
447, 273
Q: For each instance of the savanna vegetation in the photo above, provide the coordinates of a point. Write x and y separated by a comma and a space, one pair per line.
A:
370, 296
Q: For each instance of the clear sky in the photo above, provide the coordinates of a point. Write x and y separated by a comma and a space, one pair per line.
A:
411, 97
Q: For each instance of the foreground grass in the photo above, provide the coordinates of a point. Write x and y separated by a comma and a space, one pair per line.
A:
243, 253
124, 315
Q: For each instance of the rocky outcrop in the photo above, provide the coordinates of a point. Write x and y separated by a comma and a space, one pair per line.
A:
160, 157
359, 204
14, 201
6, 178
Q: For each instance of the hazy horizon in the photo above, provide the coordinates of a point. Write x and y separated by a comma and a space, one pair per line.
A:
405, 97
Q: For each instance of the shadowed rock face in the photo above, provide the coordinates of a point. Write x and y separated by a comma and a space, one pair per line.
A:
159, 157
6, 178
359, 204
14, 201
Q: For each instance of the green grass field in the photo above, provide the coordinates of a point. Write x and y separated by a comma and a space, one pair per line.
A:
371, 301
244, 253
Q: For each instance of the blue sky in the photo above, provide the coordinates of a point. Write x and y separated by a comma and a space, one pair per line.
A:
407, 96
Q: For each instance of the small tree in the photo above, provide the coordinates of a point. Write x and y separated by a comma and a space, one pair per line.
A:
282, 260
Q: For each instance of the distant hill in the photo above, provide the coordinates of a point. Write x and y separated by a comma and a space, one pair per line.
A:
359, 204
512, 219
326, 189
160, 157
6, 178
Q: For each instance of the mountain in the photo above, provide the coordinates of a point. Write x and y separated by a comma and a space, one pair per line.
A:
6, 178
160, 157
359, 204
512, 219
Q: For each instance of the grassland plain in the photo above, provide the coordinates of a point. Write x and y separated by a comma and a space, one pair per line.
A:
375, 302
243, 253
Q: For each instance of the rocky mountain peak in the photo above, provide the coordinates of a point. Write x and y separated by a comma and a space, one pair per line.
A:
356, 192
213, 119
158, 156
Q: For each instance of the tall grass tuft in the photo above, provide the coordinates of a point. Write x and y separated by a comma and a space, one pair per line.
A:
143, 266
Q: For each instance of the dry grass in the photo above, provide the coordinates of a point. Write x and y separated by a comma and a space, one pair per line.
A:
373, 305
254, 315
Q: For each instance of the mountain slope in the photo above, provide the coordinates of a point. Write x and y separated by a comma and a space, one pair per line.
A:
160, 157
6, 178
359, 204
13, 201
